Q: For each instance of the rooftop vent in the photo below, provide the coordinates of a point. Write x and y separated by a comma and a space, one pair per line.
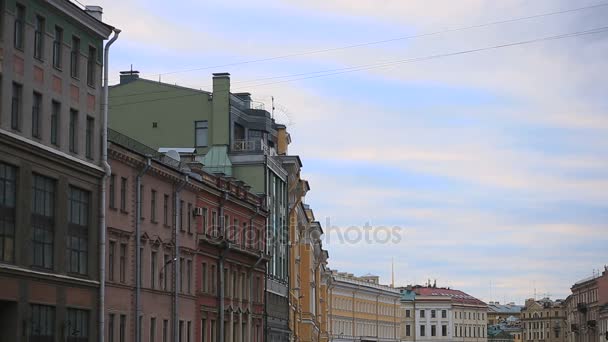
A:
128, 76
94, 11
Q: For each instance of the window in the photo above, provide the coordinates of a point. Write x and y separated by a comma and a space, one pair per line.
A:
408, 330
112, 191
189, 216
204, 218
166, 210
422, 330
153, 206
91, 64
39, 38
153, 269
78, 231
89, 137
407, 313
111, 253
166, 262
42, 323
181, 275
16, 103
123, 194
189, 275
55, 113
200, 133
153, 329
57, 47
73, 130
165, 330
36, 107
43, 221
19, 31
444, 330
75, 57
433, 314
77, 327
213, 283
141, 198
433, 330
214, 227
204, 286
421, 313
181, 215
181, 331
123, 328
204, 330
444, 313
188, 330
123, 262
111, 327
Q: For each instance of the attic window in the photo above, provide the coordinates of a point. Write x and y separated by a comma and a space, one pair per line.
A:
154, 124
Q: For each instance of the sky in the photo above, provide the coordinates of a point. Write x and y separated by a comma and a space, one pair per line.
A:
489, 169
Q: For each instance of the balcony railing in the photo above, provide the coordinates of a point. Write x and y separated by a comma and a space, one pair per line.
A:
250, 145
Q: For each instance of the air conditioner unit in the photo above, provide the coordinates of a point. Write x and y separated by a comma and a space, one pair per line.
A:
198, 211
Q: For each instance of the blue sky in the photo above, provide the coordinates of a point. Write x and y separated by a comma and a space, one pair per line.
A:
494, 165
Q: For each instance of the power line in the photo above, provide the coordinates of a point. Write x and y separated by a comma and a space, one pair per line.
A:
493, 23
331, 72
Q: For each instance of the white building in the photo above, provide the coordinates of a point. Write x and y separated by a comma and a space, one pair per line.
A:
441, 314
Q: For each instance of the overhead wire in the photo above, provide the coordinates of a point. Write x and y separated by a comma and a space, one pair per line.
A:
337, 71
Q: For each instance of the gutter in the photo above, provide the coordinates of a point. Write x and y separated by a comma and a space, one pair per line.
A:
176, 269
138, 270
225, 246
102, 203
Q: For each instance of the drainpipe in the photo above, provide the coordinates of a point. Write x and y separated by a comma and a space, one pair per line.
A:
225, 246
176, 269
137, 249
102, 202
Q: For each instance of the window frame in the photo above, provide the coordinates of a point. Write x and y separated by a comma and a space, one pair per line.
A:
202, 126
44, 192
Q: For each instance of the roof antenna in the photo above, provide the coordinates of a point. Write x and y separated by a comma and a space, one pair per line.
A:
272, 111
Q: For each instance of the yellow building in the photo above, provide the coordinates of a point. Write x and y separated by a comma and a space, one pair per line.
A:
544, 320
363, 310
307, 259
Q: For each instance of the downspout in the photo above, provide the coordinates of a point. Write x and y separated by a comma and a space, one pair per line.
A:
176, 270
102, 202
225, 246
138, 269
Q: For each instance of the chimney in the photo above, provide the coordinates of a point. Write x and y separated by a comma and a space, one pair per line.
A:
94, 11
220, 115
128, 76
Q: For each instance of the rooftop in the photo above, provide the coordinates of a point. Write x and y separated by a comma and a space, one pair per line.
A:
509, 308
457, 296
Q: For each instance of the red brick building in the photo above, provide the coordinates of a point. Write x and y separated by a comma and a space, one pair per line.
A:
181, 293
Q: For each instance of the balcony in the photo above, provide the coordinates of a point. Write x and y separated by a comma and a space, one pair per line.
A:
250, 145
581, 307
591, 323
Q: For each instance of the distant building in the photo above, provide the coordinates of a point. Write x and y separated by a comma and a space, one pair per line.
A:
442, 314
500, 312
363, 310
544, 320
587, 309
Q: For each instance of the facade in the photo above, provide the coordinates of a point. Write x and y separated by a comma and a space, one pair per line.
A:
588, 297
442, 314
363, 310
544, 320
231, 135
218, 265
50, 169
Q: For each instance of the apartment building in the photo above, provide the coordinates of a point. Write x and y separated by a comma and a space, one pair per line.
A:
544, 320
432, 313
361, 309
584, 308
231, 135
50, 169
185, 252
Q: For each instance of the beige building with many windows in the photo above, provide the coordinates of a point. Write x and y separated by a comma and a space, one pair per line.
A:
544, 320
361, 309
